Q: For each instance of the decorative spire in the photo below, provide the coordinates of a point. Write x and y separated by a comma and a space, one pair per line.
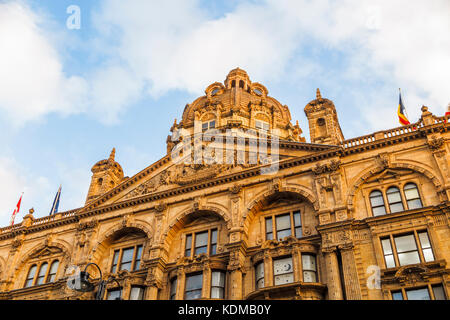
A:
113, 154
318, 95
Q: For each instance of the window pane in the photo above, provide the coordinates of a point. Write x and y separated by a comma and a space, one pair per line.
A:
393, 195
127, 255
397, 207
137, 293
297, 219
114, 294
283, 234
282, 266
405, 243
115, 259
408, 258
298, 232
308, 262
386, 243
284, 278
217, 293
390, 262
41, 275
125, 266
414, 204
439, 293
212, 124
428, 255
213, 236
376, 199
424, 240
269, 235
378, 211
397, 295
418, 294
137, 263
52, 273
260, 283
411, 194
201, 239
194, 282
283, 222
30, 276
309, 276
200, 250
217, 279
188, 241
173, 289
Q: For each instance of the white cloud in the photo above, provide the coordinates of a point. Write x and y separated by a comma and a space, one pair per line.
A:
32, 83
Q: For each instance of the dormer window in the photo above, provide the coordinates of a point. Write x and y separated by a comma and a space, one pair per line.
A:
208, 125
262, 125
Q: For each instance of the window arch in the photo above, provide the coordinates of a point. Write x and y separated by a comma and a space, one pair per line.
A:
412, 196
377, 203
394, 199
30, 277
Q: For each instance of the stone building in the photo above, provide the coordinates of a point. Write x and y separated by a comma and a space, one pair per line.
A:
360, 218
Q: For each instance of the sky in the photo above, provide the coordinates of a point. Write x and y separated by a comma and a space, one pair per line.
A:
72, 89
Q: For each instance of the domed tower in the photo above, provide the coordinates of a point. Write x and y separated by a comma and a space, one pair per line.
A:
324, 126
106, 174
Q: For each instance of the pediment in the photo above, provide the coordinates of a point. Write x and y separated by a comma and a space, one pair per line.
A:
47, 251
389, 174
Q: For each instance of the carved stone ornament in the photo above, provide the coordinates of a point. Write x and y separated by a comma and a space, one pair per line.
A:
435, 143
383, 160
160, 207
411, 274
235, 189
87, 225
332, 166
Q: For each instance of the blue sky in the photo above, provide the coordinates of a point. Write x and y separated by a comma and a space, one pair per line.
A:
68, 96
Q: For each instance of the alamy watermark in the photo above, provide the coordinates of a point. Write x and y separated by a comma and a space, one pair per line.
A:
74, 20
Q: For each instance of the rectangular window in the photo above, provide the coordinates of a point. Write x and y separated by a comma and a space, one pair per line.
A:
201, 242
418, 294
397, 295
262, 125
208, 125
136, 293
217, 285
114, 294
388, 254
438, 291
283, 271
127, 259
213, 247
309, 268
408, 248
259, 275
269, 229
194, 285
431, 292
285, 225
173, 289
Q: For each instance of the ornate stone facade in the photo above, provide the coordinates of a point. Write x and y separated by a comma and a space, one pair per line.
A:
362, 218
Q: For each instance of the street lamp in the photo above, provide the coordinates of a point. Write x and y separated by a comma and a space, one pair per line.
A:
81, 283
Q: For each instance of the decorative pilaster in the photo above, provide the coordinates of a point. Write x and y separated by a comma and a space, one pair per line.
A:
332, 273
352, 289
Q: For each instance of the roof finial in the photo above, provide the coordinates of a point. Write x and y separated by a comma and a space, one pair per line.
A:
113, 154
318, 95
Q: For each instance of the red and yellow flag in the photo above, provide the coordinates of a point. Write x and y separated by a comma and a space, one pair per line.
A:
402, 112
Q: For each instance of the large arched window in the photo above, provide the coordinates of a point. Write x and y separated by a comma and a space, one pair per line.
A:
394, 199
377, 203
30, 276
412, 196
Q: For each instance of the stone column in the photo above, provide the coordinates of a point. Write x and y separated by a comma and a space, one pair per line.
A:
352, 288
235, 267
332, 274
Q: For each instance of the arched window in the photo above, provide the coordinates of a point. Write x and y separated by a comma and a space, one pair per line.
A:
241, 84
233, 83
412, 196
30, 276
377, 203
42, 272
394, 199
52, 273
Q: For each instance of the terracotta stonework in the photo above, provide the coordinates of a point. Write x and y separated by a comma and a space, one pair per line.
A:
315, 228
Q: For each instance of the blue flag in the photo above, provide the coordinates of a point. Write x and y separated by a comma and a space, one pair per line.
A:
56, 202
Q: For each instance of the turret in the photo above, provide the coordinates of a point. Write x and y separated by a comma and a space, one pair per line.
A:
106, 174
324, 126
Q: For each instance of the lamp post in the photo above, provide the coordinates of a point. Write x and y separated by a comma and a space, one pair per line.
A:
81, 283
